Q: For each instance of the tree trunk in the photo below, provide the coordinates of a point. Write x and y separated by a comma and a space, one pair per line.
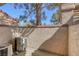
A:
38, 13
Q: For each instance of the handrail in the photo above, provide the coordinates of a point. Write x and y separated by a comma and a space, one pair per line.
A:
55, 26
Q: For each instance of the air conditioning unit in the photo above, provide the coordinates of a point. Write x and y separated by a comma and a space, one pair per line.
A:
6, 51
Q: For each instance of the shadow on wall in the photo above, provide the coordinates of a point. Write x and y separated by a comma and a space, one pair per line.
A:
56, 45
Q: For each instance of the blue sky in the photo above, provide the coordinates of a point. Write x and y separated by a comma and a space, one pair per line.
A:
9, 9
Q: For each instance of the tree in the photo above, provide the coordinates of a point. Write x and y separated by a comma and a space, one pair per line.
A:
36, 10
55, 18
1, 4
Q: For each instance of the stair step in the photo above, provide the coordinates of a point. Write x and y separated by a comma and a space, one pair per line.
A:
76, 18
43, 53
76, 14
76, 10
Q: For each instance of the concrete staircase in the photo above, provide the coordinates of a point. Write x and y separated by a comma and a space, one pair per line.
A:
52, 41
56, 45
41, 35
76, 17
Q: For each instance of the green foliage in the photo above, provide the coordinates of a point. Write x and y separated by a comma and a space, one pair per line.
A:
32, 21
53, 6
55, 16
30, 9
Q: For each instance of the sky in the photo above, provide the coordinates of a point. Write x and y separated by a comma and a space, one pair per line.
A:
15, 13
9, 9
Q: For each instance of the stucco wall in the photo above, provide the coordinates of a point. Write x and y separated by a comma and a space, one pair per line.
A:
66, 17
5, 36
74, 40
66, 6
57, 44
39, 36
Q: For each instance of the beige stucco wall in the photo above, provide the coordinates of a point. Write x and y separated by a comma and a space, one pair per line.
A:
57, 44
73, 44
5, 36
39, 36
67, 6
74, 40
66, 16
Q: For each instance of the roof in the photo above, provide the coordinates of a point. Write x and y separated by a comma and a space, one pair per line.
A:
7, 18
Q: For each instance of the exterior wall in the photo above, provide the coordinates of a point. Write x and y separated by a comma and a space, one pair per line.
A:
73, 32
74, 40
6, 19
66, 16
38, 37
5, 36
57, 44
66, 6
